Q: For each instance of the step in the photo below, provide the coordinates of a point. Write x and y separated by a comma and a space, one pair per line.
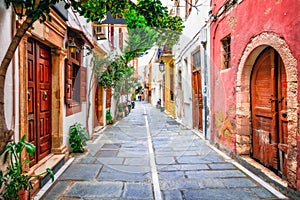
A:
55, 162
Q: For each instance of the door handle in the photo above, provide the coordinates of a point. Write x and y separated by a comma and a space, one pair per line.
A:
279, 100
28, 96
45, 95
284, 114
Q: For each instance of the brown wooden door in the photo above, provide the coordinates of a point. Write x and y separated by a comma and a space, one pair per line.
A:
98, 106
39, 99
197, 99
269, 111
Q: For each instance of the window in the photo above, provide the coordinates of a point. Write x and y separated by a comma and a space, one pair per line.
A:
196, 57
108, 97
171, 83
179, 79
111, 36
225, 52
75, 82
188, 8
99, 32
120, 38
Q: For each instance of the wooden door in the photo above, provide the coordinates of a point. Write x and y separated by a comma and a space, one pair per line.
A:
39, 99
269, 111
197, 99
98, 106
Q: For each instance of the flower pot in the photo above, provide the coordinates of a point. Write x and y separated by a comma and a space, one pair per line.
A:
23, 194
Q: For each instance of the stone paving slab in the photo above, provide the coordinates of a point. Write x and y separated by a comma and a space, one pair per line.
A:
179, 184
220, 194
84, 172
138, 191
164, 160
106, 153
172, 195
215, 174
96, 190
182, 167
57, 190
109, 174
110, 160
137, 161
131, 168
221, 166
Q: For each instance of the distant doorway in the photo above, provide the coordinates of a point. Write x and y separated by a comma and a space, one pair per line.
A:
98, 118
197, 91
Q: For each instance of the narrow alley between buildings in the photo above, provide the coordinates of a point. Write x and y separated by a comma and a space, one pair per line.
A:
148, 155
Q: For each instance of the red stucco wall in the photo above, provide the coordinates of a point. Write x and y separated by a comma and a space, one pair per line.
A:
246, 20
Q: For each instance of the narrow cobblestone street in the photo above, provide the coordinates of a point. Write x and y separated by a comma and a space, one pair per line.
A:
150, 156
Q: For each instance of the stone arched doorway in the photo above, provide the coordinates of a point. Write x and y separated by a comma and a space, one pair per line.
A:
244, 115
268, 92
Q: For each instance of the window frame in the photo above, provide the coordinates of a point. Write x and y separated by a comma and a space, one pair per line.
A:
225, 52
74, 82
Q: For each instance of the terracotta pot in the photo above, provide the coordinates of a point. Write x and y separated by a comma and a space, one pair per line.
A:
23, 194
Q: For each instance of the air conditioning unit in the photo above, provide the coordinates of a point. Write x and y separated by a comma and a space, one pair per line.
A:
99, 33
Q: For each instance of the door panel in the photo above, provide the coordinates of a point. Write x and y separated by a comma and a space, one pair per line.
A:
197, 100
39, 99
98, 106
283, 122
44, 103
32, 131
268, 97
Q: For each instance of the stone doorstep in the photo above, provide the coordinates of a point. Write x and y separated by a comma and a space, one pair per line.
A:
98, 128
270, 174
54, 162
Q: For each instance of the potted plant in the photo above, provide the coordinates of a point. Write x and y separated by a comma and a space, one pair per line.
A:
121, 110
109, 119
15, 181
78, 138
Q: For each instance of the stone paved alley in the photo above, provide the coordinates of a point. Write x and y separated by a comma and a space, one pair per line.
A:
150, 156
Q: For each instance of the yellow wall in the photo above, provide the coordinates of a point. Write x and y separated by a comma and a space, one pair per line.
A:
169, 104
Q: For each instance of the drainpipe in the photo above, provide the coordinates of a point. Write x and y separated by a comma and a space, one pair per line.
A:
205, 88
13, 65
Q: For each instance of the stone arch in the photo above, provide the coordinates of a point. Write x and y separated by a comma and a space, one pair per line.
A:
243, 111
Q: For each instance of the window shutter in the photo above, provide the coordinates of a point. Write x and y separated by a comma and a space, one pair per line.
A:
68, 84
108, 97
83, 84
120, 38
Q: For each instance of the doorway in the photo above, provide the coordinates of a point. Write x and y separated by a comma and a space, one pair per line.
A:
39, 99
197, 99
269, 111
98, 118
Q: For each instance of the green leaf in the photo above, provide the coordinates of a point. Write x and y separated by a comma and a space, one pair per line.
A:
50, 172
30, 148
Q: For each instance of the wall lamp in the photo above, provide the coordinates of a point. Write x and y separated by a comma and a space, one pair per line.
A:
19, 7
161, 66
72, 46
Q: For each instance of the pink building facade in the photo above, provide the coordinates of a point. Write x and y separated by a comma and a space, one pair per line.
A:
255, 89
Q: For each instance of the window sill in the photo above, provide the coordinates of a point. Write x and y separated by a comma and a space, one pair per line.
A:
75, 107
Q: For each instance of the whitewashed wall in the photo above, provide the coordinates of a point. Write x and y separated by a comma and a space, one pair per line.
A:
156, 83
11, 79
189, 41
85, 117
